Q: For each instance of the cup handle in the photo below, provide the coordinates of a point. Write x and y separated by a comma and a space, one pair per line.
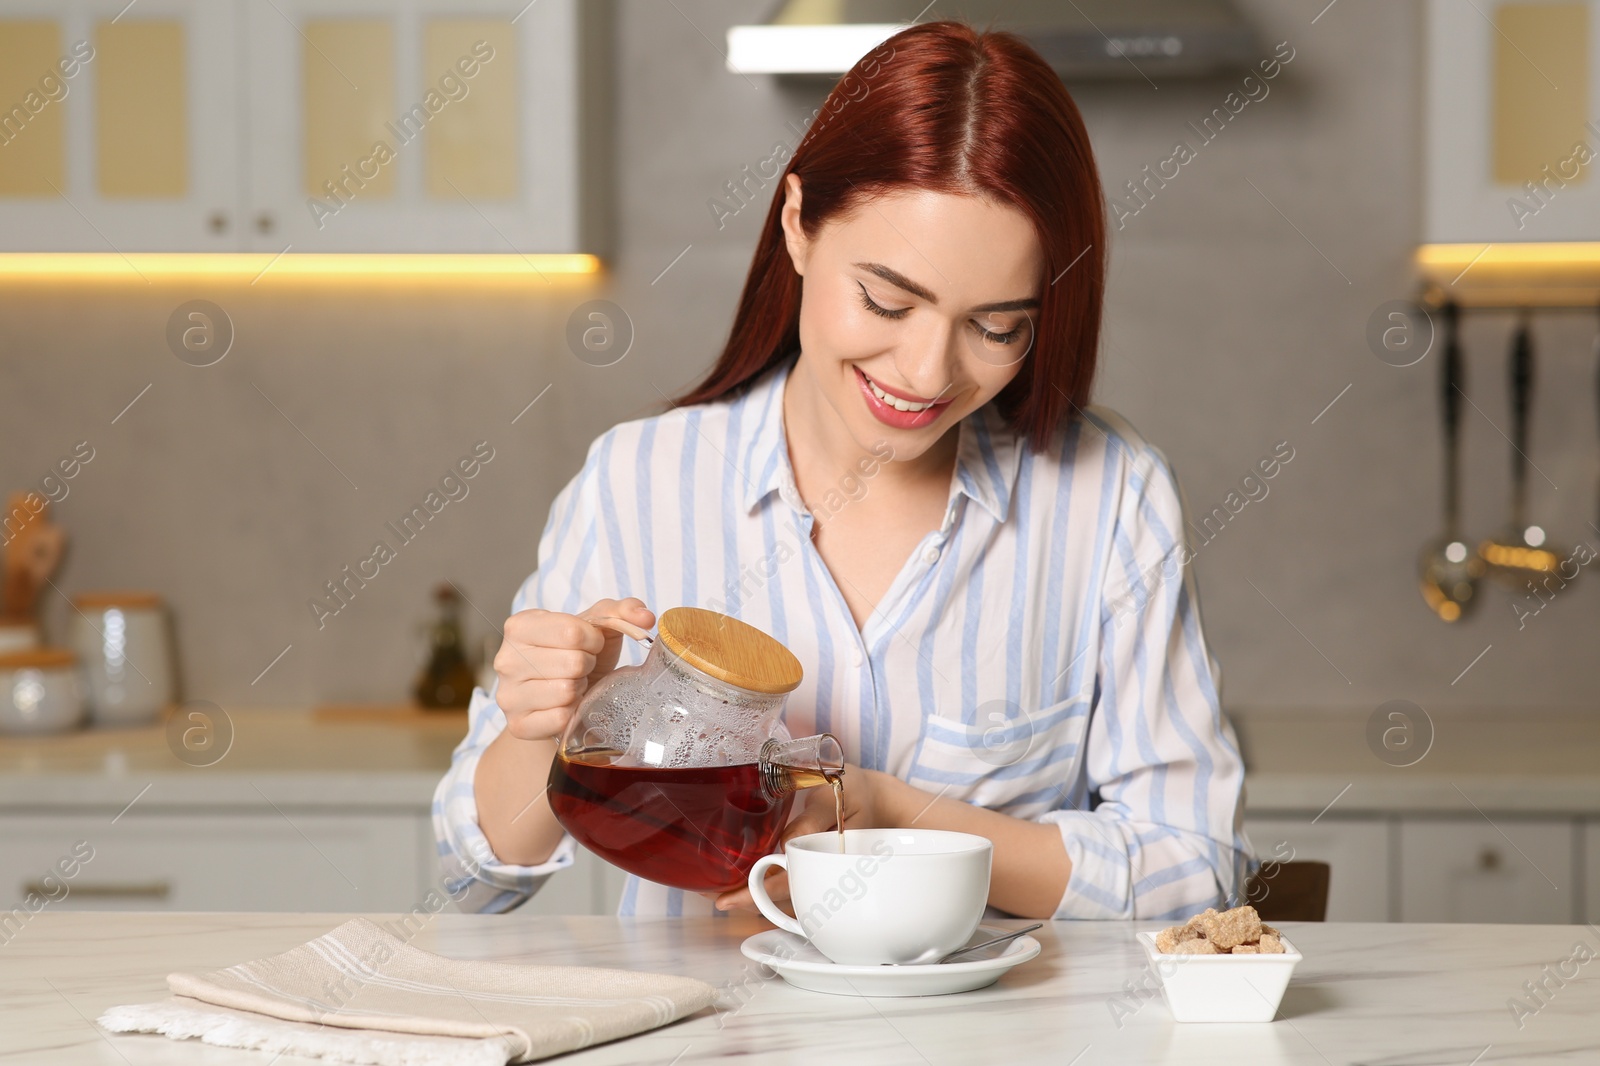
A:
764, 904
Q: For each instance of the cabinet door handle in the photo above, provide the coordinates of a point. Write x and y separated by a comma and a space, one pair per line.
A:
265, 222
218, 221
1489, 859
106, 890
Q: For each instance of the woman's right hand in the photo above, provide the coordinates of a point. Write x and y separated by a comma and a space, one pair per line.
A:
548, 660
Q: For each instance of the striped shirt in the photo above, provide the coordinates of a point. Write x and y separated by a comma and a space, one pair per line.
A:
1039, 654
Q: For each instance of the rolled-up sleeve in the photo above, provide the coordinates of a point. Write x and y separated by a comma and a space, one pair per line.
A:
1163, 835
473, 876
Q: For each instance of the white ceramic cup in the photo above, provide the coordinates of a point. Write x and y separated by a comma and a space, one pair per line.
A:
893, 896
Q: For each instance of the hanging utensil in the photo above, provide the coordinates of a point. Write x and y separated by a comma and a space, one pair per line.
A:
1449, 571
1522, 551
1595, 352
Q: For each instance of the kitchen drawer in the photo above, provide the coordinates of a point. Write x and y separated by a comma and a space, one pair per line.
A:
1356, 851
1468, 870
244, 862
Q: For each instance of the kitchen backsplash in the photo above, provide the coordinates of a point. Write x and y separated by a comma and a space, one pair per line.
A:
1236, 324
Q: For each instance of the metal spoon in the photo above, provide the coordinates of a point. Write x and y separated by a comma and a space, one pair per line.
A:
1522, 551
1448, 570
991, 943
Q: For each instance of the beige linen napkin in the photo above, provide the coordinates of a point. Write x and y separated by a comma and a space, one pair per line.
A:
360, 994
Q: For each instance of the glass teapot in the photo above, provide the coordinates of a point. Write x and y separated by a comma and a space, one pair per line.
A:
678, 769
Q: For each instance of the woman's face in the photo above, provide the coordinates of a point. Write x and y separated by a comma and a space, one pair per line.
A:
916, 309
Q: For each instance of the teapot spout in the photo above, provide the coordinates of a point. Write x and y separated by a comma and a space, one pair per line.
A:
790, 765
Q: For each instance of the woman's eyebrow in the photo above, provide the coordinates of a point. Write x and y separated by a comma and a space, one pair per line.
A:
899, 280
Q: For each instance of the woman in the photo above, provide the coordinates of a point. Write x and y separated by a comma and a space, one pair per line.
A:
891, 470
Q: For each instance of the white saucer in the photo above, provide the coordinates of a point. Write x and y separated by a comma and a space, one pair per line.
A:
805, 967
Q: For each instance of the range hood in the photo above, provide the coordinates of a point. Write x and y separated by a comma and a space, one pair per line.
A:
1080, 38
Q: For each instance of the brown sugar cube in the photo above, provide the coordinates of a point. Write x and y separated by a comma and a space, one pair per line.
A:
1170, 937
1271, 944
1267, 929
1242, 925
1246, 949
1195, 927
1197, 946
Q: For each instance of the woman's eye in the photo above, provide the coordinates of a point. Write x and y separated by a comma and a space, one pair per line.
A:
1010, 336
878, 309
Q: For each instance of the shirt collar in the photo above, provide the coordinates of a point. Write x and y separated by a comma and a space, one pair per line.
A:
988, 451
765, 459
988, 454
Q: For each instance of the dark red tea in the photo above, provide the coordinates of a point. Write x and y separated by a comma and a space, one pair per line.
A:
698, 828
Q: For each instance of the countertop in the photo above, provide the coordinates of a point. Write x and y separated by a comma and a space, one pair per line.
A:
1510, 760
1514, 761
1364, 993
347, 757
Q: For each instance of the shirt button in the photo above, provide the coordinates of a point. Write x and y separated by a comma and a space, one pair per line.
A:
931, 555
855, 657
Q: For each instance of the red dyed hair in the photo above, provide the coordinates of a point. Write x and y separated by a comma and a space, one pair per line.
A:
944, 107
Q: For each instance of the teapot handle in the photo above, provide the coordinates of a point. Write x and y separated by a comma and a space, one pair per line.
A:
620, 625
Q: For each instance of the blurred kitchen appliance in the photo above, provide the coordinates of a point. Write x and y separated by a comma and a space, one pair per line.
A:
1085, 39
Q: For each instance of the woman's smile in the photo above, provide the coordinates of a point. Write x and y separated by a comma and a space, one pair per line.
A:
895, 408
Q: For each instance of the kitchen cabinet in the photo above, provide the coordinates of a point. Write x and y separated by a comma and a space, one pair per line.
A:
1420, 868
118, 133
349, 829
274, 861
420, 125
1356, 850
303, 126
1469, 870
1507, 126
269, 861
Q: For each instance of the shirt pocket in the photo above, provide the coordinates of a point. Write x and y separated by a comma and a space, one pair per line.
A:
1022, 765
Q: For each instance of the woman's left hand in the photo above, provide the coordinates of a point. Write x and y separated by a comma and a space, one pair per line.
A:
868, 804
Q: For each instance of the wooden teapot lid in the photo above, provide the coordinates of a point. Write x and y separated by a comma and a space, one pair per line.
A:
729, 650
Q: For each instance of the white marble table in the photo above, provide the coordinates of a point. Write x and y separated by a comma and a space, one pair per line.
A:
1377, 994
